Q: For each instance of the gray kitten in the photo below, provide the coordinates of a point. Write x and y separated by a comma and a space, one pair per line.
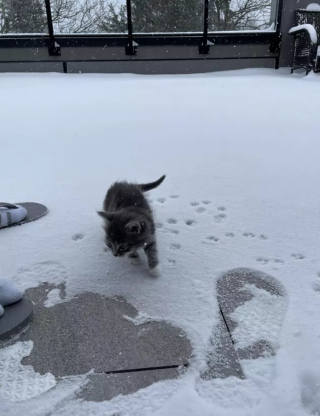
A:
129, 223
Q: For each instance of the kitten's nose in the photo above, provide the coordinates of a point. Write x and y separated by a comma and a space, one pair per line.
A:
115, 252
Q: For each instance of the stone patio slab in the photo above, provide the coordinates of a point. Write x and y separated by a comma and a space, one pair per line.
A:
106, 386
90, 332
223, 359
231, 294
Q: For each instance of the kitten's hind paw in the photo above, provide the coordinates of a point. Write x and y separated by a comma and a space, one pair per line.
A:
156, 271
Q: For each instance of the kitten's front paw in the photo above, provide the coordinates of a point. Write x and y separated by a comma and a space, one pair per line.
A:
156, 271
135, 261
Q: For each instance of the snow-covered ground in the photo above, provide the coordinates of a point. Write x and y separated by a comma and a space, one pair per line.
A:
241, 153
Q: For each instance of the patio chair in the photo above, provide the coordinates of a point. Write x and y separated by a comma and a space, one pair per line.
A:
307, 39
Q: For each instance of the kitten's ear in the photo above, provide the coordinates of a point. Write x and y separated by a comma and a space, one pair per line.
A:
106, 215
133, 227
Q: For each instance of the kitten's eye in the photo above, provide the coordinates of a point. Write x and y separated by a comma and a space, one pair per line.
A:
123, 247
109, 245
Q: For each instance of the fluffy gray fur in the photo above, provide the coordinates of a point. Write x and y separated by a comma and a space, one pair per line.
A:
129, 223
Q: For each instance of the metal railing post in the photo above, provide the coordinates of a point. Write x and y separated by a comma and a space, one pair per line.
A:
54, 48
275, 47
279, 16
204, 48
131, 48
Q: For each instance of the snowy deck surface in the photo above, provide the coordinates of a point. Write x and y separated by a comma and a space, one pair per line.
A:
242, 190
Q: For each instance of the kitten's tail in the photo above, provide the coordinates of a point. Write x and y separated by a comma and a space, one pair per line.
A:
148, 186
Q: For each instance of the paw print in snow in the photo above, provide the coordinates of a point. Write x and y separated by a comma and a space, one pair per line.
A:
298, 256
190, 222
213, 238
220, 217
249, 235
78, 237
175, 246
200, 210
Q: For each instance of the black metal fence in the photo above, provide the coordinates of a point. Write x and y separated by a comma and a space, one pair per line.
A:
131, 41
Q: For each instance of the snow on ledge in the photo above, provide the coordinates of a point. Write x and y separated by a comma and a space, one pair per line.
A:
309, 28
313, 7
